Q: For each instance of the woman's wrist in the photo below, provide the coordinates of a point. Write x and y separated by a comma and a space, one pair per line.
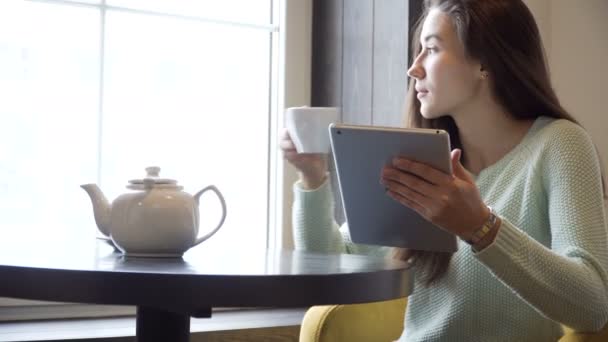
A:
312, 182
477, 224
484, 232
489, 238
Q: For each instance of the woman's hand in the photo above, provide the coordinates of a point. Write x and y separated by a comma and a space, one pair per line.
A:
451, 202
312, 167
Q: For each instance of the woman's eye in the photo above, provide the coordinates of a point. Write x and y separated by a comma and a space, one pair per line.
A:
431, 50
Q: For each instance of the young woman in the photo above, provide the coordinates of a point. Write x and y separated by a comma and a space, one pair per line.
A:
525, 197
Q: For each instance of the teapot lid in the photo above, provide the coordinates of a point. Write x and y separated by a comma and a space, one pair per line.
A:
151, 180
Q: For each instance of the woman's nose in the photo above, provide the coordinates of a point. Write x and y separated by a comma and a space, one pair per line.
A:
416, 71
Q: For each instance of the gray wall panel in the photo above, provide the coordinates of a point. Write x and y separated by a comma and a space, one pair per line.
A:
390, 62
357, 59
360, 59
327, 53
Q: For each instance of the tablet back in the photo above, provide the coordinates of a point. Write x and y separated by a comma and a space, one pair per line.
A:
360, 152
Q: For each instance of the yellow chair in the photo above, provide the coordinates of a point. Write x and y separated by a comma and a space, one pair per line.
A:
380, 321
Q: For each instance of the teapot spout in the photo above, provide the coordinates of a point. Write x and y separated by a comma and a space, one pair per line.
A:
101, 207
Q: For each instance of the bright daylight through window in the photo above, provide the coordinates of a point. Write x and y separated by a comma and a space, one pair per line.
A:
95, 91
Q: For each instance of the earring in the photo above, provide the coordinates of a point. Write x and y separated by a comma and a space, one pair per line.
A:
484, 75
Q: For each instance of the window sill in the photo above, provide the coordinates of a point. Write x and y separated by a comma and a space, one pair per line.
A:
116, 327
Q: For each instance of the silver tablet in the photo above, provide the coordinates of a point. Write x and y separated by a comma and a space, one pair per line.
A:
360, 153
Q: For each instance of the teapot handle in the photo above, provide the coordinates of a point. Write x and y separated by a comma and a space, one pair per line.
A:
222, 202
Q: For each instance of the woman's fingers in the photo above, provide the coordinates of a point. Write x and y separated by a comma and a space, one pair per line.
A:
452, 202
414, 183
290, 155
287, 145
285, 142
284, 134
421, 170
410, 194
407, 202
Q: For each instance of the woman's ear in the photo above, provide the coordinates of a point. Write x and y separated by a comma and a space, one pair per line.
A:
484, 75
479, 70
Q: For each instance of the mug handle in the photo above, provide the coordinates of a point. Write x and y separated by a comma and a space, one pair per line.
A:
222, 202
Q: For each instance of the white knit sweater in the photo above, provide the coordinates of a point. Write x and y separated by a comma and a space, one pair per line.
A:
548, 264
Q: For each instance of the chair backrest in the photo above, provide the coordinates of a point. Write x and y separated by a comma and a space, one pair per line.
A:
380, 321
572, 336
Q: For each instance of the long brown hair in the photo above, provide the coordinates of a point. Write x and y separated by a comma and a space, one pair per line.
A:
502, 35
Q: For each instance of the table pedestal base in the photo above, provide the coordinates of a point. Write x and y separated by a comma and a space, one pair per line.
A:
159, 325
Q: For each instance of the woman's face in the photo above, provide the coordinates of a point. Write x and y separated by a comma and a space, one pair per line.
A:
446, 80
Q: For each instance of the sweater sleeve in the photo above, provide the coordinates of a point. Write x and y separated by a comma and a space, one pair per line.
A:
569, 282
315, 228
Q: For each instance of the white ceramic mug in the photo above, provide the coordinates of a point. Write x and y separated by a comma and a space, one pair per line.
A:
307, 127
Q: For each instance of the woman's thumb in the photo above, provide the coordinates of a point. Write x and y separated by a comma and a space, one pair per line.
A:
457, 169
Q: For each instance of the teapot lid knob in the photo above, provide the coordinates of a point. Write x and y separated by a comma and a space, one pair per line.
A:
153, 179
152, 171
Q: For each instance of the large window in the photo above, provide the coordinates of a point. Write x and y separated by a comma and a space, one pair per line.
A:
95, 91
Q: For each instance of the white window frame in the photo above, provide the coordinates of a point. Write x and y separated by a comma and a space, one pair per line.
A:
294, 90
291, 72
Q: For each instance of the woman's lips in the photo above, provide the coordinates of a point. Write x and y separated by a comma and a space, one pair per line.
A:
421, 94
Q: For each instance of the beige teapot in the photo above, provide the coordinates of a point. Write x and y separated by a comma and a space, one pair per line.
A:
156, 219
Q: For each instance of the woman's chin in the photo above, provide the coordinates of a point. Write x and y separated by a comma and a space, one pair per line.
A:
428, 113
